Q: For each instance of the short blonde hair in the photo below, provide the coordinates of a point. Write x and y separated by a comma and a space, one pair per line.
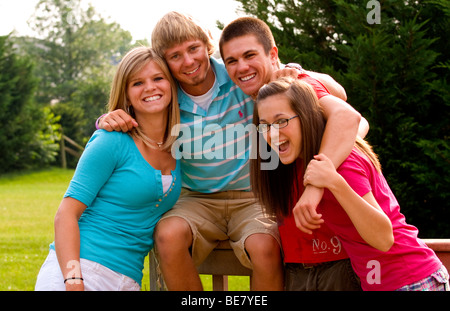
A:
176, 28
133, 62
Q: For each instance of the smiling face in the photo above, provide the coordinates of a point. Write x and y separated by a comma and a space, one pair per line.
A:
248, 65
286, 141
149, 90
190, 65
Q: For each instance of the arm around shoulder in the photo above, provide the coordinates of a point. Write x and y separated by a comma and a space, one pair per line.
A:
117, 120
332, 86
341, 128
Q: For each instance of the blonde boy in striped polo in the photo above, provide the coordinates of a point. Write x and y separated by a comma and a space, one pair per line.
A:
216, 202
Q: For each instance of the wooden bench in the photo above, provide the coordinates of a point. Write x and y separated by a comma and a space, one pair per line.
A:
220, 263
442, 249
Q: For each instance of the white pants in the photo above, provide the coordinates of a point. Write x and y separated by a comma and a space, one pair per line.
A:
96, 277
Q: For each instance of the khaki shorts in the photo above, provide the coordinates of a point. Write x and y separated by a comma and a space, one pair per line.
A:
214, 217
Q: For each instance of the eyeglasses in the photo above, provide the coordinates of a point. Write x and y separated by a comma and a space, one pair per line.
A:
265, 127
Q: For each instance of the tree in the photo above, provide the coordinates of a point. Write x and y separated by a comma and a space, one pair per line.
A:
396, 73
76, 45
75, 59
28, 135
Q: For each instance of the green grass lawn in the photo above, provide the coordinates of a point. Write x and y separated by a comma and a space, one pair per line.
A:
28, 203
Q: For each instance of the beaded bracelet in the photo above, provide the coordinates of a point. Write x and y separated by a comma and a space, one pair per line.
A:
73, 278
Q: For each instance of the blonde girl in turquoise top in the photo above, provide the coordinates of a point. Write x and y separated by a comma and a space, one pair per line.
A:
123, 184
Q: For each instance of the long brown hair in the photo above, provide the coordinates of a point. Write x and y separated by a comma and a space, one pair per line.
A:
275, 188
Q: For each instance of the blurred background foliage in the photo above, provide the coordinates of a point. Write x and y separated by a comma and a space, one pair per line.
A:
395, 72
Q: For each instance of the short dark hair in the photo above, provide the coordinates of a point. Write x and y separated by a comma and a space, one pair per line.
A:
248, 26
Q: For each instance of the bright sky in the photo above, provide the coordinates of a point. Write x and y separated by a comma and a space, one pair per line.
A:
136, 16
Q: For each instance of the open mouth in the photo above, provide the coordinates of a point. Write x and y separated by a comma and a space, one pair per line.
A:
282, 146
193, 71
248, 78
152, 98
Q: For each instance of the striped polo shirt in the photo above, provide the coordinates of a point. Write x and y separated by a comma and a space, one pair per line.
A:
214, 145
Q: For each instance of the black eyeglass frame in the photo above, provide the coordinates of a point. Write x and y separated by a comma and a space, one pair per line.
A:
278, 124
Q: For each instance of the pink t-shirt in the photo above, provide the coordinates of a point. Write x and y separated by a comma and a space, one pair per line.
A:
409, 259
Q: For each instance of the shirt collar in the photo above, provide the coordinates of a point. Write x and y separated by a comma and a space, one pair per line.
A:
222, 78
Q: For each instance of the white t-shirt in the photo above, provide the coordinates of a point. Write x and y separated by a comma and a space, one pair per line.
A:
166, 181
204, 100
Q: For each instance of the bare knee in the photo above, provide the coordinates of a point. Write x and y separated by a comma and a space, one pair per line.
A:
172, 233
263, 248
265, 255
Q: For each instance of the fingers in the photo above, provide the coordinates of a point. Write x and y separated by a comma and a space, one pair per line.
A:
118, 125
320, 157
119, 121
310, 178
306, 219
285, 72
307, 224
318, 170
307, 178
305, 214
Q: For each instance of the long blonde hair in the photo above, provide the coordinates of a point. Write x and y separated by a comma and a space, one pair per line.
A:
134, 61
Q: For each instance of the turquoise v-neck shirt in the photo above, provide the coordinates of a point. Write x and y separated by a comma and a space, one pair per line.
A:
124, 198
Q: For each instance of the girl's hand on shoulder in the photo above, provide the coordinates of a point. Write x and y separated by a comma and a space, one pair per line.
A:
320, 172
